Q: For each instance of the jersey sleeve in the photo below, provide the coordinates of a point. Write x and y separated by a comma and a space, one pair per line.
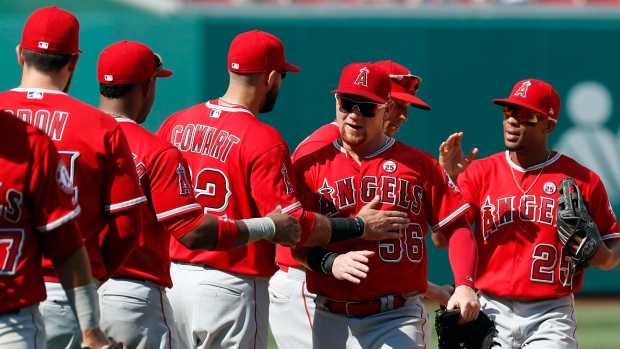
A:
602, 212
467, 186
274, 170
121, 188
170, 184
52, 201
444, 202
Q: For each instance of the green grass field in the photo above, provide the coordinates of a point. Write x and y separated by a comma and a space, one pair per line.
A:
599, 324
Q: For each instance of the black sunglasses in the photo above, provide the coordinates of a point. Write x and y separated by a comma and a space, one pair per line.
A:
283, 73
367, 109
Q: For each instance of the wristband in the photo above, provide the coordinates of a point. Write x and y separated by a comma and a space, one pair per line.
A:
321, 260
346, 228
260, 228
85, 304
227, 231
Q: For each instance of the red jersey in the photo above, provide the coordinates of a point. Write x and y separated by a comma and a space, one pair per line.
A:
165, 181
97, 155
241, 168
520, 254
324, 135
407, 180
35, 201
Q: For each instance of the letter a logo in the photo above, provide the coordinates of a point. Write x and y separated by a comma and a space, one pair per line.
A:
184, 187
522, 91
362, 79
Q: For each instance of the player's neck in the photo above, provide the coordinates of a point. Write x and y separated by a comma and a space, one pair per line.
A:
359, 152
116, 109
243, 99
32, 78
531, 158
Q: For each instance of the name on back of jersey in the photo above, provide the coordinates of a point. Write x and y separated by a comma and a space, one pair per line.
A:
203, 139
51, 122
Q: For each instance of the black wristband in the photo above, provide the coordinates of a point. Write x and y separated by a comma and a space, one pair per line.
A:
318, 258
328, 262
346, 228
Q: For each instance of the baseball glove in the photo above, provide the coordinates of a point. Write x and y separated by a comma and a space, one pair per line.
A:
573, 220
477, 334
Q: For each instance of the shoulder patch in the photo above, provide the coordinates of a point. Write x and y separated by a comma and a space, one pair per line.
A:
63, 179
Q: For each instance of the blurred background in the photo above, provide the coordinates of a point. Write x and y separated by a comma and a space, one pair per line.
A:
466, 51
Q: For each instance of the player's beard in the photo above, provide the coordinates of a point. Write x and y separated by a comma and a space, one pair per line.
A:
353, 140
66, 89
270, 103
514, 147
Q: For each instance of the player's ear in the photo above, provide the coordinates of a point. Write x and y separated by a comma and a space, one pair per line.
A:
549, 126
73, 62
20, 56
388, 109
271, 78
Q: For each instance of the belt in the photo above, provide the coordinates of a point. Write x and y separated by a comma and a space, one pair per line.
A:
283, 267
10, 312
361, 309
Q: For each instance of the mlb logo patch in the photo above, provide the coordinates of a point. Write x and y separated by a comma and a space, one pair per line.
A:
44, 45
215, 113
108, 78
235, 65
35, 95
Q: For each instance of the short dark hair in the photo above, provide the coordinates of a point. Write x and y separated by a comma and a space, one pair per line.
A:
114, 91
45, 62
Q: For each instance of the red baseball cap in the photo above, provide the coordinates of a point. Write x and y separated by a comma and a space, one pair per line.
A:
366, 80
51, 30
129, 62
404, 84
257, 52
536, 95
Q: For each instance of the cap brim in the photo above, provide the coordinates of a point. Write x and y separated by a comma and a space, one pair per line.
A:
518, 102
164, 73
362, 93
409, 98
291, 67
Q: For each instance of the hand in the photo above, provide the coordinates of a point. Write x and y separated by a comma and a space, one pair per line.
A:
602, 257
452, 158
95, 338
288, 230
466, 299
352, 266
382, 225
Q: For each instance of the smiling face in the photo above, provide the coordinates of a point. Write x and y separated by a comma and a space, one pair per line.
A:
357, 130
525, 136
397, 116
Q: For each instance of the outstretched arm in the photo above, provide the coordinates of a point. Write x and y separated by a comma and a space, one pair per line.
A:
351, 266
452, 158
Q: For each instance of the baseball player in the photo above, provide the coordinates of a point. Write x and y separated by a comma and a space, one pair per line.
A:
372, 297
92, 145
292, 306
241, 168
38, 218
526, 281
127, 73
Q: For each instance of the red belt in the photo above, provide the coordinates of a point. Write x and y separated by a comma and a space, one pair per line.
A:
361, 309
284, 268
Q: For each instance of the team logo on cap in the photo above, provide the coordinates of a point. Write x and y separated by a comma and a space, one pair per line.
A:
44, 45
551, 111
362, 78
389, 166
235, 65
108, 78
522, 91
549, 188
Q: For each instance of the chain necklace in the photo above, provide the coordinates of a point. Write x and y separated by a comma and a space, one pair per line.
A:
237, 104
117, 116
535, 180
